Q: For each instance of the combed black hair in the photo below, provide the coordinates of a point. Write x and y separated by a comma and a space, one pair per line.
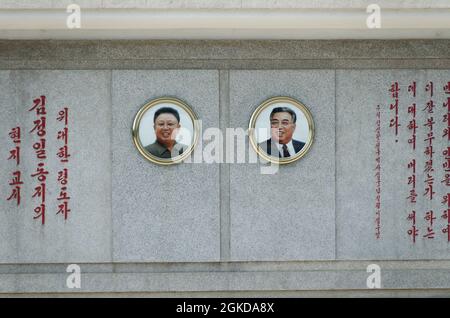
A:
166, 110
284, 110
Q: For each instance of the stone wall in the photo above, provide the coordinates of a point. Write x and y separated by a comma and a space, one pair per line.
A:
219, 229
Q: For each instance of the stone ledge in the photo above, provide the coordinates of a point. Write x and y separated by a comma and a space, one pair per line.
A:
382, 293
237, 277
142, 52
224, 281
363, 64
183, 267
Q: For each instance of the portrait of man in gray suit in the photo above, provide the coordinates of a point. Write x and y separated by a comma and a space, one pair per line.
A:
166, 123
282, 126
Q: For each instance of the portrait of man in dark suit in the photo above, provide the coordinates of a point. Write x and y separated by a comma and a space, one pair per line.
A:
166, 123
282, 126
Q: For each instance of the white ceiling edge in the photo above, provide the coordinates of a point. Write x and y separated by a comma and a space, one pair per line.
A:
223, 4
225, 24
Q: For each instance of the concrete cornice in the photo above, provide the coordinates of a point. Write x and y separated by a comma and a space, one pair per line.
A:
224, 4
225, 23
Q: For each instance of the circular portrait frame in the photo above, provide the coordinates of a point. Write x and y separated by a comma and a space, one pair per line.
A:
260, 145
187, 113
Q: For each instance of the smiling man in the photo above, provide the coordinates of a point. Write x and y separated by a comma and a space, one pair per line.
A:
282, 127
166, 123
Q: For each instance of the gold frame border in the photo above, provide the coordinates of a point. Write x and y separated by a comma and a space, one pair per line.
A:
264, 105
137, 123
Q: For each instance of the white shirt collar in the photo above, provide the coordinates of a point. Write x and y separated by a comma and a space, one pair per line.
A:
290, 148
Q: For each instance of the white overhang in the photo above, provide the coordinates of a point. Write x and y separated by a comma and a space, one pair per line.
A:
225, 23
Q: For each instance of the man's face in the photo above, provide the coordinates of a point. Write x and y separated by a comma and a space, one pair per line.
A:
282, 127
166, 128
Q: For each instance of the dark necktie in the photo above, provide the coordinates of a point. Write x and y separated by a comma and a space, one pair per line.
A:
285, 151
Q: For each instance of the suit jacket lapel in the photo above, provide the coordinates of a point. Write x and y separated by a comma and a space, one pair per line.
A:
272, 147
